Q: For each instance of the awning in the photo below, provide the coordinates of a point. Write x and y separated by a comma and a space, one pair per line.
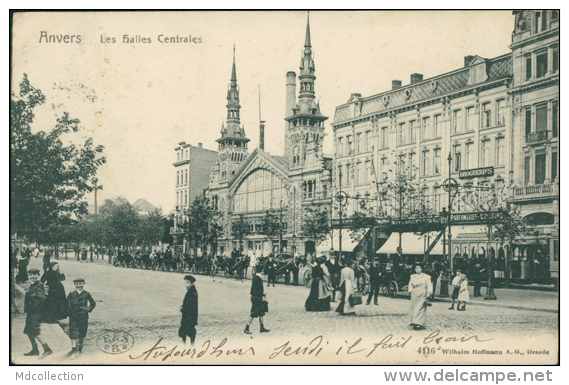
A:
411, 244
350, 240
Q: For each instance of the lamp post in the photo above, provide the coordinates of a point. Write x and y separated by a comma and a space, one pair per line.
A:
449, 212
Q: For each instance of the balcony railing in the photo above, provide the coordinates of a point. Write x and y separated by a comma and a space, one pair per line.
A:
537, 136
539, 190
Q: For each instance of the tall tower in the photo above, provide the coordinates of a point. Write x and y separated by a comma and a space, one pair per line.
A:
304, 122
233, 142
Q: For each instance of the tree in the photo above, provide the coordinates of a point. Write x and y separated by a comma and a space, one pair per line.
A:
316, 224
202, 224
48, 179
151, 227
241, 229
403, 200
121, 222
502, 220
272, 225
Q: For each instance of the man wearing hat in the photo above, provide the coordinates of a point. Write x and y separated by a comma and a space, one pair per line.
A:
34, 306
189, 310
375, 273
80, 305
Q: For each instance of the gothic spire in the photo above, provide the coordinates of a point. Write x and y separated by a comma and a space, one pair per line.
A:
307, 40
233, 72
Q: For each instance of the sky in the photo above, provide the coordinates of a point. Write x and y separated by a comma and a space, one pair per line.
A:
140, 100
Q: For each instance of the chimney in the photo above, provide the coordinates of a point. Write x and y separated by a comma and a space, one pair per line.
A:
395, 84
415, 78
468, 59
200, 145
262, 135
290, 92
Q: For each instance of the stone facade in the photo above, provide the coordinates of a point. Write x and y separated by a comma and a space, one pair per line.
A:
252, 184
501, 112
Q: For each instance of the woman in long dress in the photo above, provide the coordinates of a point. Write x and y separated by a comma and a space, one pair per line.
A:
463, 294
320, 293
57, 305
347, 283
421, 288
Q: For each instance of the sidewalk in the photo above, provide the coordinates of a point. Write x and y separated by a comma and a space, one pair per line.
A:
521, 299
52, 334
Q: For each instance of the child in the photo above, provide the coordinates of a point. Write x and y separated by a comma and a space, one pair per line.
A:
463, 294
79, 315
189, 310
34, 305
456, 290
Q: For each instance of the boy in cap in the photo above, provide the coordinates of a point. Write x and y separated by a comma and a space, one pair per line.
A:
80, 305
34, 305
189, 310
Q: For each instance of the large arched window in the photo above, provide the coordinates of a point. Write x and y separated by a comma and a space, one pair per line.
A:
540, 219
261, 190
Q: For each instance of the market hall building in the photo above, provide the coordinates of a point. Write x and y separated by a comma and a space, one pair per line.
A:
250, 184
500, 113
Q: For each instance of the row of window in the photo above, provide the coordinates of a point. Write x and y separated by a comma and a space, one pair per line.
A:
181, 176
180, 155
539, 120
363, 143
535, 167
361, 173
181, 198
541, 62
462, 120
491, 154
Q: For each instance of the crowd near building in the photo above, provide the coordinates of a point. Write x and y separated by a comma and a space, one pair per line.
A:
499, 114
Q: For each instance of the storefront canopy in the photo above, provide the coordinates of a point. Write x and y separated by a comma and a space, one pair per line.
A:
350, 240
411, 244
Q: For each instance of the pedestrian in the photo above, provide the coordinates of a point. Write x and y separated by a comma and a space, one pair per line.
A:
252, 263
81, 303
321, 288
57, 305
375, 276
420, 287
463, 294
271, 270
295, 268
456, 287
23, 262
189, 310
34, 307
258, 300
347, 286
478, 273
47, 258
334, 269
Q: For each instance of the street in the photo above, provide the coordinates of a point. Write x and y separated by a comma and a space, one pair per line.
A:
146, 304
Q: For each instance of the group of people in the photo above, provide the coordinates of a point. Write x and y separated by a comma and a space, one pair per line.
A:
46, 302
329, 276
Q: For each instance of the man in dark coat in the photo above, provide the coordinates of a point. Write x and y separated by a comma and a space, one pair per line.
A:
34, 307
271, 270
189, 310
334, 269
375, 274
80, 305
258, 303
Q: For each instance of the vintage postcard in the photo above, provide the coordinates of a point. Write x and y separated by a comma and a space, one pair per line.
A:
285, 188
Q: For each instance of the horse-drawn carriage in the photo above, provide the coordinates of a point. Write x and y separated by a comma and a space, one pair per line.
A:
236, 267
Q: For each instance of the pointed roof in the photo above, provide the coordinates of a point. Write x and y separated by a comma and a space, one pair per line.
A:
233, 72
307, 39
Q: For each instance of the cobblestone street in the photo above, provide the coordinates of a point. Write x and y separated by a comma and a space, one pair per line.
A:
146, 305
